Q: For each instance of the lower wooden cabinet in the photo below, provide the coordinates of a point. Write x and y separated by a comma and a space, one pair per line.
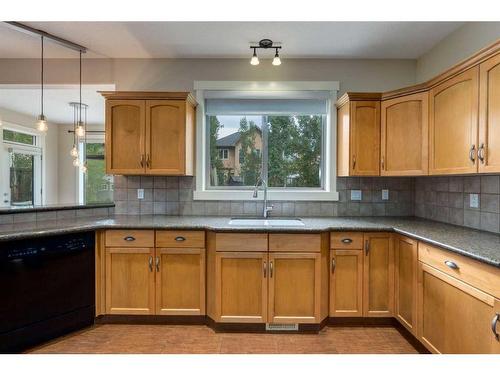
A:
180, 281
378, 280
240, 287
454, 317
294, 287
130, 281
346, 283
405, 283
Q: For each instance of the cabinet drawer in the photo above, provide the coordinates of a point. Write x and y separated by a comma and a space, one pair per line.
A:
130, 238
180, 238
241, 242
477, 274
295, 242
346, 240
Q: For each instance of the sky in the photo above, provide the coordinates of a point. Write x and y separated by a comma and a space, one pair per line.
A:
231, 124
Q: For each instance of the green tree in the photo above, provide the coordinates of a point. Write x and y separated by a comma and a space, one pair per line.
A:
217, 176
251, 165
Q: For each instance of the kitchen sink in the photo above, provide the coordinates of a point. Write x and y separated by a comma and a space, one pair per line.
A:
252, 222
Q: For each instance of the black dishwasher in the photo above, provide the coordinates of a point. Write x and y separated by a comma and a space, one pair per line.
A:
46, 288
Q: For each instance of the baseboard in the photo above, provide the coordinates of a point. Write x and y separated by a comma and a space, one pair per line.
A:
261, 327
362, 321
152, 319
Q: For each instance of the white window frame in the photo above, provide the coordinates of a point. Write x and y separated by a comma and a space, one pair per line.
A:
224, 151
329, 190
38, 150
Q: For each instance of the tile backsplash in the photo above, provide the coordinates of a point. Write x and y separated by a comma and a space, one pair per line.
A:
447, 199
174, 196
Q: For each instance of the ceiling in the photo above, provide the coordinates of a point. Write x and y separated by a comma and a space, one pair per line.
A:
401, 40
26, 100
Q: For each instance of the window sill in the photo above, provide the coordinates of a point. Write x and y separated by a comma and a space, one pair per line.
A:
272, 195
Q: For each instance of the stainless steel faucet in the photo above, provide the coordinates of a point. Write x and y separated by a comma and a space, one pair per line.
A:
265, 209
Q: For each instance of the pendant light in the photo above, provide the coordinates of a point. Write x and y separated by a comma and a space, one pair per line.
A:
276, 60
80, 128
254, 60
41, 123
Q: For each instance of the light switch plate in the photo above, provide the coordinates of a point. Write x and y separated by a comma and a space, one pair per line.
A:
474, 201
385, 194
140, 193
356, 195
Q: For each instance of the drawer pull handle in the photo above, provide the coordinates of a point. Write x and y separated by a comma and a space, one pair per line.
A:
346, 240
333, 265
180, 239
494, 322
129, 238
271, 269
157, 263
451, 264
150, 262
367, 247
265, 269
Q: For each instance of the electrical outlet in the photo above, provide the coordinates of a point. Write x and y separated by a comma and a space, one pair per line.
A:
356, 195
140, 193
474, 201
385, 194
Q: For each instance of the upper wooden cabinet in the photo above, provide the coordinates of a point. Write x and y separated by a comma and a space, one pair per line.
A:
404, 136
453, 124
358, 136
489, 115
150, 133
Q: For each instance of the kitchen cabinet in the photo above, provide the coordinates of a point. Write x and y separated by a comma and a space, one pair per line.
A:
489, 116
453, 124
346, 282
404, 136
454, 317
405, 296
150, 133
294, 287
378, 275
241, 287
358, 136
130, 281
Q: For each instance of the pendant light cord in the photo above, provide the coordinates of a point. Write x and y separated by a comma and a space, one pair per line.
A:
80, 114
41, 78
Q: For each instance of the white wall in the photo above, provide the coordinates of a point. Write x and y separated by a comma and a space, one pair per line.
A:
50, 162
462, 43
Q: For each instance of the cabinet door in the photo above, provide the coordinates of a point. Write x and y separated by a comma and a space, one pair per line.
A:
346, 282
453, 317
378, 280
405, 299
241, 287
453, 124
365, 138
294, 287
489, 116
404, 138
130, 281
125, 136
166, 137
495, 327
180, 281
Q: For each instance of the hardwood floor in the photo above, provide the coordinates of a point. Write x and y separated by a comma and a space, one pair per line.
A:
176, 339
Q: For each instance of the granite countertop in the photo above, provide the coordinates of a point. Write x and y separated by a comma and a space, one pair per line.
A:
52, 207
479, 245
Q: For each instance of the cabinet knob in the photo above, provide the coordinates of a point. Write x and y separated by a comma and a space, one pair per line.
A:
451, 264
480, 153
472, 153
180, 238
129, 238
346, 240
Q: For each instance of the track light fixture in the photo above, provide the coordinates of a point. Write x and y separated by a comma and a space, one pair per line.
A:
265, 44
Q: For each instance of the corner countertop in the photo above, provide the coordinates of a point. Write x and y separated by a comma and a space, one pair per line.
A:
479, 245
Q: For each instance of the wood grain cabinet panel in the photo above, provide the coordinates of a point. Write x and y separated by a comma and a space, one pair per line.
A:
404, 136
454, 317
378, 280
130, 281
405, 301
294, 287
125, 136
453, 124
180, 281
346, 283
489, 116
365, 138
241, 287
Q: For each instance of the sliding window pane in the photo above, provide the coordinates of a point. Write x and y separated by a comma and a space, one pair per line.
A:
21, 179
294, 151
98, 185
